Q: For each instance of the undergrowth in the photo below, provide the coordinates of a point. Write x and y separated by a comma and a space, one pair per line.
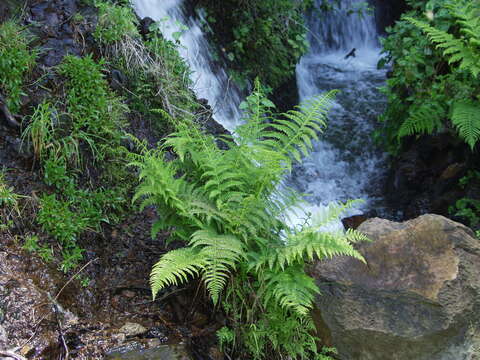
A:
70, 134
16, 61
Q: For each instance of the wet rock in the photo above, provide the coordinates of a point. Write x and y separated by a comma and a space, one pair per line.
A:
285, 96
164, 352
425, 171
452, 171
144, 26
418, 296
118, 80
128, 293
56, 49
133, 329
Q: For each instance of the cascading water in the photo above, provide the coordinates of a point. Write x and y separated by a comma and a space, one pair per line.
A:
210, 80
344, 165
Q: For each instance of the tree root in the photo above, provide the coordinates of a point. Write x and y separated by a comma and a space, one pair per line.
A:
8, 115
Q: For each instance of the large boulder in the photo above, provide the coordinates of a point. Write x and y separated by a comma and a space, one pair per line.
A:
417, 298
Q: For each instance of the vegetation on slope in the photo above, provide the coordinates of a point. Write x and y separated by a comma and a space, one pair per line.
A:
435, 49
260, 38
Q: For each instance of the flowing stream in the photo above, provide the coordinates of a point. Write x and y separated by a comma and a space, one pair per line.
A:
344, 164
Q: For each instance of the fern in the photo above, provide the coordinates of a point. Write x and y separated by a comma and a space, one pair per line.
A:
228, 205
291, 289
466, 118
423, 120
219, 253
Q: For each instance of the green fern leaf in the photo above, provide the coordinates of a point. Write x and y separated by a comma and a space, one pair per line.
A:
219, 254
466, 118
423, 120
292, 289
175, 267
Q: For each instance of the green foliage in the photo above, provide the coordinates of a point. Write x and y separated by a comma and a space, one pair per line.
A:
435, 76
468, 208
260, 38
227, 206
464, 49
71, 211
95, 113
81, 129
32, 245
16, 60
40, 130
8, 198
114, 23
9, 204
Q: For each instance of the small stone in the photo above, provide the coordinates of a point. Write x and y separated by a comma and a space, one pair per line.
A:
128, 293
133, 329
25, 350
152, 343
3, 335
119, 338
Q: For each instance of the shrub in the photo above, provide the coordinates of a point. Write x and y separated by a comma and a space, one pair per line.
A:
261, 38
227, 205
435, 85
16, 60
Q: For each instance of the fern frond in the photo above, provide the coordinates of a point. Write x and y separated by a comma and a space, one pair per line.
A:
291, 289
464, 50
219, 254
175, 267
308, 244
293, 136
466, 118
422, 120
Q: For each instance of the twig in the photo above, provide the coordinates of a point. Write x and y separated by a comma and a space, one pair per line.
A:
73, 277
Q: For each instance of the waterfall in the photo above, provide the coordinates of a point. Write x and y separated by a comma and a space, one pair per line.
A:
345, 164
210, 80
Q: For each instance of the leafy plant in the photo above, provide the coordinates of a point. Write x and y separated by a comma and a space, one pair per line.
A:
16, 60
40, 130
114, 23
32, 245
228, 207
468, 207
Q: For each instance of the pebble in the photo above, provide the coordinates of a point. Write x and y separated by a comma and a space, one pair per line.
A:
133, 329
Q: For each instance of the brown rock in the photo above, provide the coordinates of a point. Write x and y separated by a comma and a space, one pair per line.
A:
452, 171
418, 297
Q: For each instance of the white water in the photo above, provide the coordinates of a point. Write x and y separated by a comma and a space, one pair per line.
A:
211, 81
343, 165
